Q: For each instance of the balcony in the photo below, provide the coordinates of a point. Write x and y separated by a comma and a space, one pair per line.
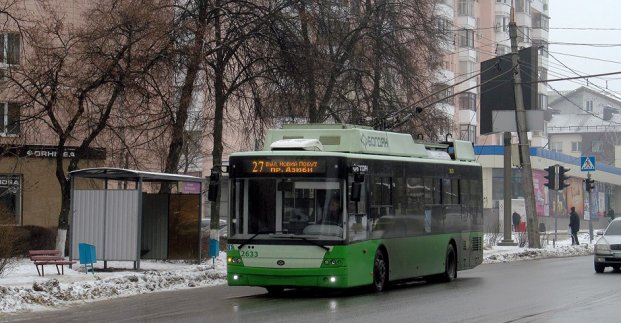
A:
538, 33
467, 54
466, 22
444, 9
467, 117
444, 76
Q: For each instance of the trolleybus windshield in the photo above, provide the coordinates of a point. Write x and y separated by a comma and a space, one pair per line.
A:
286, 208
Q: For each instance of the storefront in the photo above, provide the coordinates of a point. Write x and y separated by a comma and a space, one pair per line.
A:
29, 189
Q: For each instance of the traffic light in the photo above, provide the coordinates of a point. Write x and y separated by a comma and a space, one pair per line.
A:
589, 184
551, 177
562, 177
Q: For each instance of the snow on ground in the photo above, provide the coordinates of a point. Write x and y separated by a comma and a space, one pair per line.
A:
21, 289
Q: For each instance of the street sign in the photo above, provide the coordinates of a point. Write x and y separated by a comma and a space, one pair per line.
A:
587, 163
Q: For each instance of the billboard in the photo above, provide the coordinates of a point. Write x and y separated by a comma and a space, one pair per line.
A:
497, 91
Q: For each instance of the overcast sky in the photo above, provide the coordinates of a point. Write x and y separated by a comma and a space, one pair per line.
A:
584, 22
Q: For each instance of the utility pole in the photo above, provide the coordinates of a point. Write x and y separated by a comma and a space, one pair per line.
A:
507, 240
520, 117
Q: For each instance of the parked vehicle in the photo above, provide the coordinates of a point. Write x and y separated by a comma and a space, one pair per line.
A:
608, 247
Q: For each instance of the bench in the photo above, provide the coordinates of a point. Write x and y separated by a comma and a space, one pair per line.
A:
49, 257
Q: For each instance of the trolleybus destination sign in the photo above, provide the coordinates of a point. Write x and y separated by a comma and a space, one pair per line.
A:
268, 166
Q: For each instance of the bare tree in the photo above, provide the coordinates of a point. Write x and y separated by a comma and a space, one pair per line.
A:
74, 77
356, 61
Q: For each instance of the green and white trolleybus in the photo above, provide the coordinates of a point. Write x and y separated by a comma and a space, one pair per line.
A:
339, 206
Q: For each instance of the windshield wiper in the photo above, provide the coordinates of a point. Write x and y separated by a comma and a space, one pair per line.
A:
251, 238
307, 240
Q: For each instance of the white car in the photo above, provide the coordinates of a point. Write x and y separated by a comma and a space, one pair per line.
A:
608, 248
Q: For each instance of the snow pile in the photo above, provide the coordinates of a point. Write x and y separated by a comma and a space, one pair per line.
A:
76, 286
21, 289
510, 254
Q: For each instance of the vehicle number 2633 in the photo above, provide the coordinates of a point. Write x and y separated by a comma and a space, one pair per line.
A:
249, 253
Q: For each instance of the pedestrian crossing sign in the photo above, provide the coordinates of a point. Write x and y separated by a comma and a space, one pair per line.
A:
587, 163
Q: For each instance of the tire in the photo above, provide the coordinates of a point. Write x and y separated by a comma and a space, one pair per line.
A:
380, 271
599, 267
450, 265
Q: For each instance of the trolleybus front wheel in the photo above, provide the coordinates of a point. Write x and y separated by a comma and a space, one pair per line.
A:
380, 271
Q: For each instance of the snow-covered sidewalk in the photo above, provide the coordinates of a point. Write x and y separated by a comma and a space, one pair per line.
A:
21, 289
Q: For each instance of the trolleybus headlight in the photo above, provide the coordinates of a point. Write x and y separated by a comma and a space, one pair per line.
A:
326, 262
235, 277
234, 260
333, 262
333, 279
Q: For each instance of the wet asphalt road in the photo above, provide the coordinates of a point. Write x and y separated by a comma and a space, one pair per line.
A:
549, 290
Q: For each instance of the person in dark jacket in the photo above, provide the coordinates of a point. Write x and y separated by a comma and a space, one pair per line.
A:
516, 221
574, 225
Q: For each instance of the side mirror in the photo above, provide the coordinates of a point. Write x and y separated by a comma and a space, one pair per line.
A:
356, 188
599, 232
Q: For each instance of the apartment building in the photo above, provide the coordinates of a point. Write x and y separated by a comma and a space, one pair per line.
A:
478, 31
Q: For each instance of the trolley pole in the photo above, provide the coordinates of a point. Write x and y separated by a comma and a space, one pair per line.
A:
520, 117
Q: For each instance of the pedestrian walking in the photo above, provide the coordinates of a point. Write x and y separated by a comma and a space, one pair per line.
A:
574, 226
516, 221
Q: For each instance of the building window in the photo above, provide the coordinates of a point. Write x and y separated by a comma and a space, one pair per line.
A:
467, 68
10, 199
543, 101
467, 132
444, 93
597, 146
10, 45
502, 49
502, 24
523, 6
589, 106
543, 74
445, 27
541, 22
9, 125
465, 7
523, 34
576, 146
542, 47
468, 101
466, 38
556, 146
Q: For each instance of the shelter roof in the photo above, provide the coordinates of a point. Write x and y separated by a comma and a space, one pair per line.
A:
121, 174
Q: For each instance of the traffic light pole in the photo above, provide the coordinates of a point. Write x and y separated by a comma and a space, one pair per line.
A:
589, 183
520, 117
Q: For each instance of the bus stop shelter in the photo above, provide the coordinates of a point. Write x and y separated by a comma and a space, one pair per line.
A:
128, 224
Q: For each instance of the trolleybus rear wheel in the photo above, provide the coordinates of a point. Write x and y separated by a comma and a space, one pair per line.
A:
380, 271
450, 269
